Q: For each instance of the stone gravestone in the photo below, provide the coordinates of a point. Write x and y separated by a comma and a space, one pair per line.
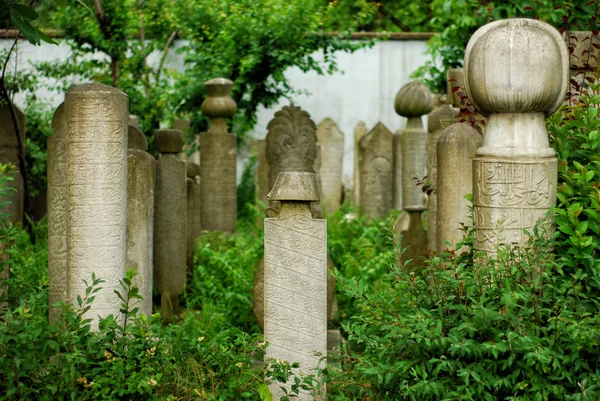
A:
516, 73
194, 216
141, 183
413, 101
170, 219
375, 162
9, 153
437, 120
57, 213
262, 171
97, 117
359, 131
295, 258
218, 155
331, 140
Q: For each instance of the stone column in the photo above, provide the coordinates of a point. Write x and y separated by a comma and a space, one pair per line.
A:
141, 185
97, 117
437, 120
456, 148
170, 216
331, 140
516, 73
57, 213
9, 151
359, 131
218, 153
375, 162
194, 217
295, 287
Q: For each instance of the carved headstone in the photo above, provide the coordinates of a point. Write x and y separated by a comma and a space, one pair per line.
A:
218, 155
517, 73
194, 217
9, 151
331, 140
170, 219
141, 185
97, 117
295, 258
359, 131
57, 213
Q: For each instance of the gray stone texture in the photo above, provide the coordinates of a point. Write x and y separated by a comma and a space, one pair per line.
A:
141, 184
218, 155
194, 215
376, 171
359, 132
170, 220
414, 236
331, 140
516, 73
9, 151
97, 117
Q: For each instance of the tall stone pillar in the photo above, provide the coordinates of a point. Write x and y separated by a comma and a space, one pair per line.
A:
170, 219
359, 131
295, 287
331, 140
194, 216
218, 154
141, 185
437, 120
9, 151
97, 117
516, 73
57, 213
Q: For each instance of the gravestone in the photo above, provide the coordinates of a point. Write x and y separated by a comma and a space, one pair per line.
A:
97, 117
375, 163
170, 219
134, 121
57, 213
295, 258
331, 140
194, 217
584, 49
218, 155
359, 131
516, 73
141, 183
262, 171
9, 153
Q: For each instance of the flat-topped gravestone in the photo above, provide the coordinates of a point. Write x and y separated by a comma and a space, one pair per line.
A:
331, 140
218, 156
359, 131
57, 213
9, 153
141, 183
376, 171
295, 287
516, 73
97, 117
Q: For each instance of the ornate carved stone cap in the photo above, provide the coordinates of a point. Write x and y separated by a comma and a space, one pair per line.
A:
136, 139
516, 66
168, 140
59, 122
218, 103
295, 186
193, 169
413, 100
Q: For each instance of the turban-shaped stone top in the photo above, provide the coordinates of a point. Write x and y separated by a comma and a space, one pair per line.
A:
516, 66
218, 103
413, 100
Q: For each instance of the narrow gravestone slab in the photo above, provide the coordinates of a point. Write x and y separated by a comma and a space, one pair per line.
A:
57, 213
97, 117
331, 140
376, 171
359, 131
9, 151
295, 302
194, 215
262, 171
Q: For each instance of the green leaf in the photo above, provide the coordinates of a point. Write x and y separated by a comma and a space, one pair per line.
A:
589, 175
26, 29
264, 392
24, 11
45, 37
61, 3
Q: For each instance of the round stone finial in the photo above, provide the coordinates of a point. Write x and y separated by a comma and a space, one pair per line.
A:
168, 140
136, 139
516, 66
218, 103
413, 100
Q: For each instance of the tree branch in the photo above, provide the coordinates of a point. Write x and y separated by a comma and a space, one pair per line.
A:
164, 54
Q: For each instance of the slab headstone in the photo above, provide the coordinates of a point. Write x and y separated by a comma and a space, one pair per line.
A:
218, 155
57, 213
331, 140
9, 153
295, 258
97, 117
194, 216
359, 131
262, 171
141, 184
516, 73
376, 171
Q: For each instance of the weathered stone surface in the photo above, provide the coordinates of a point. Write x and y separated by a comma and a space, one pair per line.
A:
397, 180
136, 139
97, 117
170, 219
57, 213
516, 72
414, 236
262, 170
359, 132
331, 140
134, 121
295, 320
168, 140
141, 183
194, 216
455, 84
218, 154
376, 169
456, 149
584, 52
9, 151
